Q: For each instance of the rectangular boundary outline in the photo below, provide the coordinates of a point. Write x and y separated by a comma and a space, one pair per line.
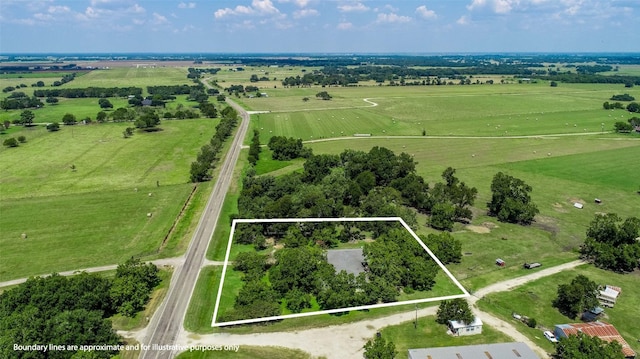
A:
329, 311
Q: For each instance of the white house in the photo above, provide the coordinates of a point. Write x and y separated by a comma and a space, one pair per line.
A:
461, 328
608, 296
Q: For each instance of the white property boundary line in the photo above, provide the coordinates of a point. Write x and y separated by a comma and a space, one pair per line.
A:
330, 311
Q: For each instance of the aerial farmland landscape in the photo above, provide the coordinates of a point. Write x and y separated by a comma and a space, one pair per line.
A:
311, 179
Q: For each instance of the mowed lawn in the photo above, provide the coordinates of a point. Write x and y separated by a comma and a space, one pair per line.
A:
95, 214
475, 110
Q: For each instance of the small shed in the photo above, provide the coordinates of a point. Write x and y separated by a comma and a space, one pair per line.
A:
500, 262
461, 328
531, 265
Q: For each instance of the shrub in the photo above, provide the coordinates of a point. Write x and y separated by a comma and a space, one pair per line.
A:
10, 142
22, 139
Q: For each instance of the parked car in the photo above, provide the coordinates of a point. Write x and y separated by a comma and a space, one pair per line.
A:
550, 336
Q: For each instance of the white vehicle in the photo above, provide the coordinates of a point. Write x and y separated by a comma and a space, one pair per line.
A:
550, 336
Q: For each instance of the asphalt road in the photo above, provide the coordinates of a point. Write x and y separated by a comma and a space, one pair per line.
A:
166, 324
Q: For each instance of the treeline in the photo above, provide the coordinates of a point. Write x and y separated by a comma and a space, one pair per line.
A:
97, 92
19, 100
591, 78
72, 310
344, 76
173, 89
201, 168
354, 183
66, 78
196, 73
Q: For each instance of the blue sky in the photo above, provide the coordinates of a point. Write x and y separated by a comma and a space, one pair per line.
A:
319, 26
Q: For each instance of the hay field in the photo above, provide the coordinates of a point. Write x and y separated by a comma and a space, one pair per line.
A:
96, 214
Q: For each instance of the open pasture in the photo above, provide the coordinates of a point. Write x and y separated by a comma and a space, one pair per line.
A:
564, 178
133, 76
475, 110
97, 213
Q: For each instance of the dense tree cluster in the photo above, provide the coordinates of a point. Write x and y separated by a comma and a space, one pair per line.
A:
299, 272
19, 100
623, 97
511, 200
374, 183
622, 127
400, 262
196, 73
97, 92
65, 78
612, 243
72, 310
201, 168
582, 346
170, 90
284, 148
612, 105
574, 298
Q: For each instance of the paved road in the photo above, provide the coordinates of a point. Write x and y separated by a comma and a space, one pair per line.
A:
166, 324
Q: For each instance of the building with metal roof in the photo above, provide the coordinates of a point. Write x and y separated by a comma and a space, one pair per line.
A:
602, 330
514, 350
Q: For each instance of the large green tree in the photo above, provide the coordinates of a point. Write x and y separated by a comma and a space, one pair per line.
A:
27, 117
379, 348
455, 309
582, 346
511, 200
576, 297
611, 243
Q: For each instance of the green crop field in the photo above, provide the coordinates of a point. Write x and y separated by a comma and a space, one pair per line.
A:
95, 214
132, 76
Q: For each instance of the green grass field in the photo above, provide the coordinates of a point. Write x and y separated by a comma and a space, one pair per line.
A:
476, 110
428, 334
96, 214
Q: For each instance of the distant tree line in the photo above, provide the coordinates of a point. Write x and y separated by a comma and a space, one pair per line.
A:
591, 78
201, 168
65, 78
97, 92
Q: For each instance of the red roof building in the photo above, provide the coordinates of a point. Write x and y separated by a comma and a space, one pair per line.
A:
602, 330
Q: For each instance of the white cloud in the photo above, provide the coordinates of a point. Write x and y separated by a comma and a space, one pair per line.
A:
354, 7
344, 26
305, 13
264, 7
184, 5
463, 20
136, 9
299, 3
392, 18
59, 9
426, 13
258, 7
159, 19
